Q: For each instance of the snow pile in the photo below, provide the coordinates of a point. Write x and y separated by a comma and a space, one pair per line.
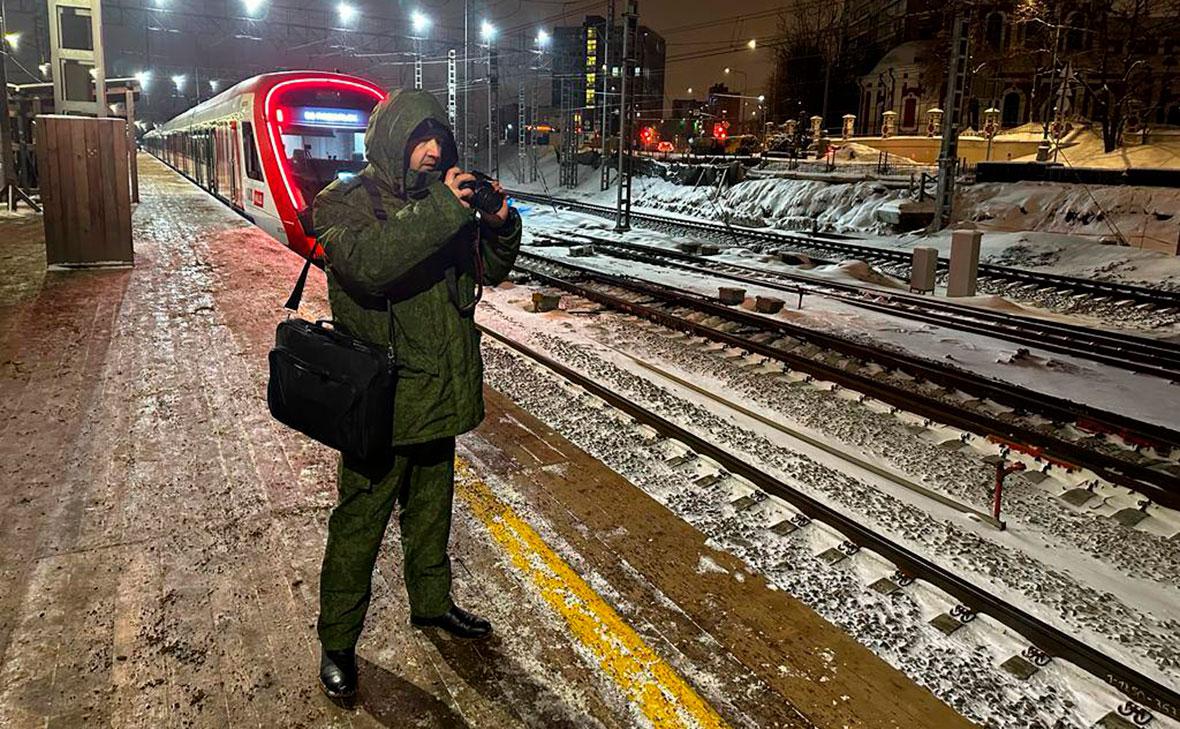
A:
862, 153
777, 203
1144, 217
855, 271
1085, 149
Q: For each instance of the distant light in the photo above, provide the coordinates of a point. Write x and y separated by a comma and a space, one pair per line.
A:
419, 21
160, 3
144, 78
345, 176
252, 6
12, 39
214, 85
690, 89
752, 44
93, 73
346, 12
178, 81
542, 38
761, 98
727, 69
45, 68
487, 31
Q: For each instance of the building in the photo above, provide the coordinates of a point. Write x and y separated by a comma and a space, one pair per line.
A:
1012, 60
582, 54
724, 104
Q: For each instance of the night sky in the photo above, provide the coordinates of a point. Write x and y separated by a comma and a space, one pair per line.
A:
690, 27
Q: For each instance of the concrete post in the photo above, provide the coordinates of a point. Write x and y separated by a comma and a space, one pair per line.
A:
849, 126
889, 124
964, 262
923, 269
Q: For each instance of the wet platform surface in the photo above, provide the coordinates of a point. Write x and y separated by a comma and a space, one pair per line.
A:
160, 535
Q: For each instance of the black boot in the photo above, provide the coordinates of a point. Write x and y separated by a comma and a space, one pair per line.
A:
458, 622
338, 674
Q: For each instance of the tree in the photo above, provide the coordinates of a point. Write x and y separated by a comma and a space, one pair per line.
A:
1105, 51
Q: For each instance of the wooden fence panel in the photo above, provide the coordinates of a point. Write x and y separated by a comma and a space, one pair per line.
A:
85, 189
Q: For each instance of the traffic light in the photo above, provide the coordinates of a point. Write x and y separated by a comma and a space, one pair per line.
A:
719, 131
647, 135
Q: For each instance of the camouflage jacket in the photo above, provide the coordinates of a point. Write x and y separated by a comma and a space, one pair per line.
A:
427, 237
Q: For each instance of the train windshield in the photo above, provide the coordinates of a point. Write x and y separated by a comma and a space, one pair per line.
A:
323, 135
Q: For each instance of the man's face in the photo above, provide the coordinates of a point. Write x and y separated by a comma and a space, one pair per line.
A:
425, 156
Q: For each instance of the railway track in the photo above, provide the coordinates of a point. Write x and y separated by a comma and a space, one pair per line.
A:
1002, 278
1046, 639
1055, 431
1138, 354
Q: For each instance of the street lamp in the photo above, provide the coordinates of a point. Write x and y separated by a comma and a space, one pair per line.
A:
542, 39
346, 12
753, 44
214, 85
252, 6
487, 31
420, 22
178, 81
144, 78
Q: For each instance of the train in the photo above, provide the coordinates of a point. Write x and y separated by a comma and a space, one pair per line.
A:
268, 145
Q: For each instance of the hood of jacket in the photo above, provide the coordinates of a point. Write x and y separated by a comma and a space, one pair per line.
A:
391, 126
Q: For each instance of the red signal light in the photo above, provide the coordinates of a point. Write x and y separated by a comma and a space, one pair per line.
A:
719, 131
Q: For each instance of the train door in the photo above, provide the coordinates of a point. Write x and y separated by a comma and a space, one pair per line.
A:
234, 163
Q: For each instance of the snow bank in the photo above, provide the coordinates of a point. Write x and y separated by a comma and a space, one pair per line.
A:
1145, 217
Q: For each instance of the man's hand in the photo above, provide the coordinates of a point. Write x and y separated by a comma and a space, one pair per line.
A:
455, 177
501, 215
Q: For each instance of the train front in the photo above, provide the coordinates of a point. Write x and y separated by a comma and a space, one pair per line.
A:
315, 128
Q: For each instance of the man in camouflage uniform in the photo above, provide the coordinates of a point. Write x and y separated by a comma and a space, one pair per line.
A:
402, 231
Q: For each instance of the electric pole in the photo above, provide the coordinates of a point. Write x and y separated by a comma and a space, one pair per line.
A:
604, 73
948, 156
623, 205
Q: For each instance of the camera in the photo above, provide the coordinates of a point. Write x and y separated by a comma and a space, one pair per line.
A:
484, 197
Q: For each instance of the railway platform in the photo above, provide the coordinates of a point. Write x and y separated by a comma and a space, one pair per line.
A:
161, 535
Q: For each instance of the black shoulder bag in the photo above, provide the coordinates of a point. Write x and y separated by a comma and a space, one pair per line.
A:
330, 385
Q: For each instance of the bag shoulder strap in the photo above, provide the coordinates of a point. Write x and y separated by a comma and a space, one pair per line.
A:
381, 214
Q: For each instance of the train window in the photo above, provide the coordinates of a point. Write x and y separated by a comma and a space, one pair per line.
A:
253, 167
323, 142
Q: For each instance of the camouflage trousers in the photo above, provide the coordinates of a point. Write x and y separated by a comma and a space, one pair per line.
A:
421, 484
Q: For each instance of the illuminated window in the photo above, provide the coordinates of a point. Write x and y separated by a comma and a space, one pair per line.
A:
589, 96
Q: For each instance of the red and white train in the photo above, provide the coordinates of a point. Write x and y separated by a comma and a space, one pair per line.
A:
266, 146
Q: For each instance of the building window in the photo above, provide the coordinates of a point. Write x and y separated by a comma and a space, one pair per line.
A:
993, 33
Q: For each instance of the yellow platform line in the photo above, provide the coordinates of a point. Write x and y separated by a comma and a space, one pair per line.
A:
652, 685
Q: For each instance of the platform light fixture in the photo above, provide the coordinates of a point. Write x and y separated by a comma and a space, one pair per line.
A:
542, 39
214, 85
45, 68
753, 44
346, 12
144, 78
487, 31
420, 22
252, 6
178, 81
13, 40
